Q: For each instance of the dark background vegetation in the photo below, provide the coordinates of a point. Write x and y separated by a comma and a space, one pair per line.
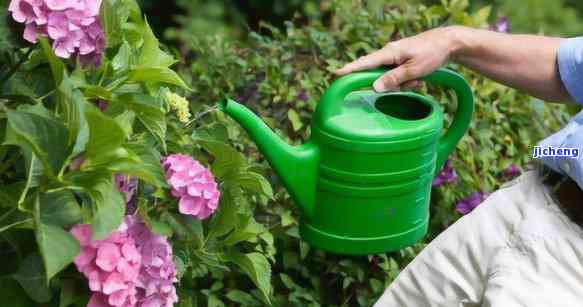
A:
553, 17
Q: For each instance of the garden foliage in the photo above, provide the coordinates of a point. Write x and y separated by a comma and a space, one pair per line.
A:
67, 130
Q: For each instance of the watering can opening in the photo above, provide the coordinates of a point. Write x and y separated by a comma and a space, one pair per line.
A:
403, 107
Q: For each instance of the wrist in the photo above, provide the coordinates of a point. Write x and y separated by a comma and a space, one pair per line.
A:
458, 40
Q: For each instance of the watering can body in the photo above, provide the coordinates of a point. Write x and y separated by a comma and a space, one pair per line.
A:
363, 180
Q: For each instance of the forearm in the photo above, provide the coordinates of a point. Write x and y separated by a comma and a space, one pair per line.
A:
524, 62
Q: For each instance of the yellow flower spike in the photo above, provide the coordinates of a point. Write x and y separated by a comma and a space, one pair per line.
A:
180, 105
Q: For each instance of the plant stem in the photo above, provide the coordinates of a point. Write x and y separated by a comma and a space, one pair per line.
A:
14, 224
7, 213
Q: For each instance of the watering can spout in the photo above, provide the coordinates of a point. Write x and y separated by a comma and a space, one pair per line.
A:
296, 166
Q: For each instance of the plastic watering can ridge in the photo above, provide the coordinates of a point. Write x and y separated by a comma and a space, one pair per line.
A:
363, 179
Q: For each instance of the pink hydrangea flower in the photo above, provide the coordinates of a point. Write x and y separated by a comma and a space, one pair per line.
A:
155, 285
111, 265
192, 184
131, 267
72, 25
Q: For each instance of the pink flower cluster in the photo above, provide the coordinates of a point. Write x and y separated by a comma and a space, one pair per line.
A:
131, 267
72, 25
193, 185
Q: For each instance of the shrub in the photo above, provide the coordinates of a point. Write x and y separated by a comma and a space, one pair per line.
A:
281, 77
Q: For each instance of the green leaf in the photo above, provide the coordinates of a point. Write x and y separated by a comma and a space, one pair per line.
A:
59, 209
160, 228
138, 160
149, 112
243, 298
295, 119
121, 61
33, 174
57, 247
126, 121
223, 220
481, 16
10, 194
70, 99
150, 54
105, 134
13, 294
252, 182
256, 266
249, 231
73, 104
108, 203
113, 15
186, 227
134, 9
150, 163
46, 137
156, 74
227, 159
57, 66
110, 210
32, 277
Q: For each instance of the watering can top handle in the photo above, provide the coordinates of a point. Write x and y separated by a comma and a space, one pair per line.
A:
441, 77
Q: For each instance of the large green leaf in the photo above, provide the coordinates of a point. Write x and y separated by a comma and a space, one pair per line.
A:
105, 134
34, 172
121, 61
156, 74
10, 194
223, 220
13, 294
140, 161
248, 230
227, 159
34, 167
47, 138
114, 13
108, 203
151, 170
186, 227
251, 182
71, 101
150, 54
57, 247
33, 279
57, 66
256, 266
59, 209
149, 112
110, 209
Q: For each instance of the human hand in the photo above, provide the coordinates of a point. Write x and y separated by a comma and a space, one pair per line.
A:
414, 57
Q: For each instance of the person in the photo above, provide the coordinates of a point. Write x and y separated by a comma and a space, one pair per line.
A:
523, 246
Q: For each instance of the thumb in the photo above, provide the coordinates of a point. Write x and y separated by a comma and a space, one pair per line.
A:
392, 80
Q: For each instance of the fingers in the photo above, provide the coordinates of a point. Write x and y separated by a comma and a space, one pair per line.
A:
413, 84
384, 56
392, 80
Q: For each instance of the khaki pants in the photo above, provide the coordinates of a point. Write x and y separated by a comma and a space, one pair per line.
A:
516, 249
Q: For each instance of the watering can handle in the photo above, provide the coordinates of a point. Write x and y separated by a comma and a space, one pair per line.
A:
463, 115
441, 77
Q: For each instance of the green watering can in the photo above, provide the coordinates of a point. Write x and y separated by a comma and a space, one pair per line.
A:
363, 180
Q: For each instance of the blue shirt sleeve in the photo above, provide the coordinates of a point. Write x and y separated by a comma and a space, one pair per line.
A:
570, 62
